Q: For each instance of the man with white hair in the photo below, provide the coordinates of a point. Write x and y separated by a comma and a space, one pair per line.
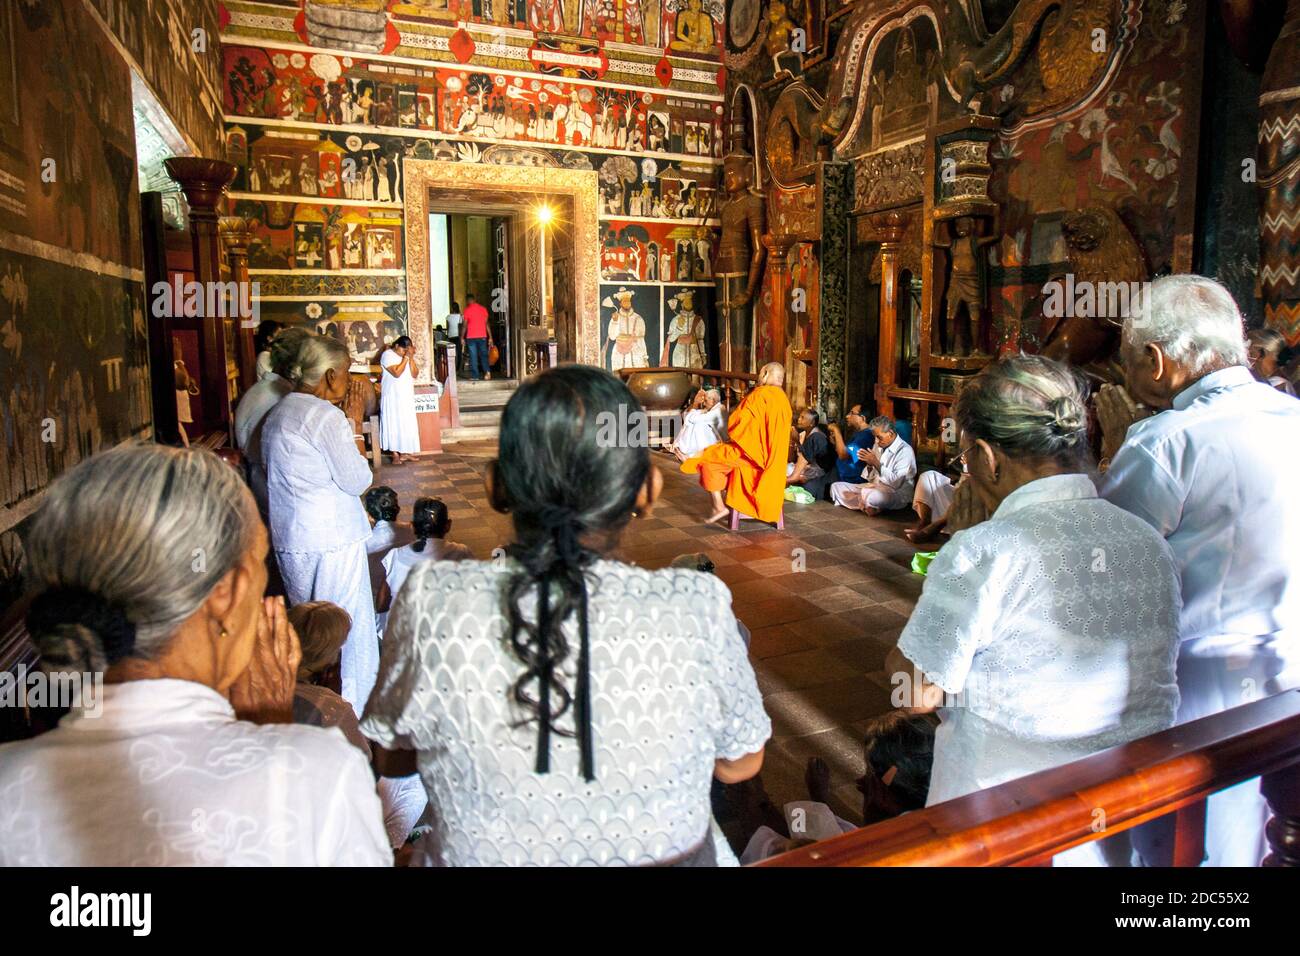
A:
890, 473
1211, 472
704, 424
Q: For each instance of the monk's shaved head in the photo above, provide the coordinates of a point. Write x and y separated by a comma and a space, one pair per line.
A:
773, 373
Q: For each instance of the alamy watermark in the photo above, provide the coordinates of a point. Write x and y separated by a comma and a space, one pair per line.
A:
22, 688
1068, 298
191, 300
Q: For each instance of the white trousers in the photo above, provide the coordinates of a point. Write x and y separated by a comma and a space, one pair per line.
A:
343, 578
870, 495
934, 490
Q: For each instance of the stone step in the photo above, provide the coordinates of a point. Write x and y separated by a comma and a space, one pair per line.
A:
475, 416
451, 436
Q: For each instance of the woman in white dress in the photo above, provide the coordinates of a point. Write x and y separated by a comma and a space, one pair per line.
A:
1056, 619
159, 764
399, 431
314, 477
564, 708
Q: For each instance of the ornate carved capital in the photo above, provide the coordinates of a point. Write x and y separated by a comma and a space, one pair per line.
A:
204, 181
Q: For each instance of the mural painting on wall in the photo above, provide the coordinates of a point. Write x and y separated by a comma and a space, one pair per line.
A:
366, 328
338, 90
68, 175
630, 321
688, 339
656, 252
310, 236
903, 92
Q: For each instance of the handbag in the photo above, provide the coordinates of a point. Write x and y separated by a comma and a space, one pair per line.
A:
494, 354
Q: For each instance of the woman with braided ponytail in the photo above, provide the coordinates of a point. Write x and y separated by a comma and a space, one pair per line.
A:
562, 707
1056, 619
148, 565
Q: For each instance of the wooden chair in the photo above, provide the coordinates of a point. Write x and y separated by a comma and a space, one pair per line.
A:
370, 439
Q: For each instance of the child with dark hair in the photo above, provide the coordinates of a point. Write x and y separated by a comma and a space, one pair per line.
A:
322, 629
382, 508
430, 523
595, 701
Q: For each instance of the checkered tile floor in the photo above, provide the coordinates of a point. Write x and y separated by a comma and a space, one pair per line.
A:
825, 599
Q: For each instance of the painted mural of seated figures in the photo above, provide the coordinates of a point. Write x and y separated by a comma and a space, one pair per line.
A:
694, 29
965, 286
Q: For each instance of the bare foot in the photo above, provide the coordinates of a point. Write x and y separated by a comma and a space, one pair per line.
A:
717, 517
922, 535
817, 777
871, 511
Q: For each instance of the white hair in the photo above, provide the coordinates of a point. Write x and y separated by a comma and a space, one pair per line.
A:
147, 529
714, 394
1193, 320
316, 355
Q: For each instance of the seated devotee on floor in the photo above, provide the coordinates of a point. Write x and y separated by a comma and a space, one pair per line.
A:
898, 751
257, 402
430, 524
814, 466
933, 497
190, 653
703, 424
1055, 620
315, 476
1265, 347
585, 657
889, 473
1213, 473
750, 464
848, 450
382, 508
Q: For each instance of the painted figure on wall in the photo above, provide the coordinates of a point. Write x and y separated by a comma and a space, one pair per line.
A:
626, 333
685, 332
693, 30
546, 16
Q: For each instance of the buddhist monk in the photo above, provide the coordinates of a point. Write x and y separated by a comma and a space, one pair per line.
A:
751, 464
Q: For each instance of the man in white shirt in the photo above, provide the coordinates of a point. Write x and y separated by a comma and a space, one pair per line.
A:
890, 474
1211, 472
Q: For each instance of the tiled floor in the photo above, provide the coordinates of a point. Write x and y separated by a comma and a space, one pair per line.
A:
824, 599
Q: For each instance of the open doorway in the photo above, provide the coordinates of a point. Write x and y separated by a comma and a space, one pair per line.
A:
470, 255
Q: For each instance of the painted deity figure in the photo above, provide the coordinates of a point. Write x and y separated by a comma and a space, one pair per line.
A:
626, 334
694, 29
686, 332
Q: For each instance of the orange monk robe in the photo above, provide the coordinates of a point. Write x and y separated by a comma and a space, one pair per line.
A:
751, 464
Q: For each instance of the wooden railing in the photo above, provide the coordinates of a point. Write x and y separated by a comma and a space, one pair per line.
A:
1027, 821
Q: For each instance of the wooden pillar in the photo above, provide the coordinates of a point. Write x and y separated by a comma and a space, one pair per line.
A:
204, 182
1279, 180
890, 228
1282, 791
235, 235
778, 248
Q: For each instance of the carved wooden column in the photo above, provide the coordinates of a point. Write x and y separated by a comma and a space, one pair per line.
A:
1282, 791
235, 235
835, 181
778, 316
1279, 180
890, 228
204, 182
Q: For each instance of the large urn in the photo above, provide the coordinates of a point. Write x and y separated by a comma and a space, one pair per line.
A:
659, 391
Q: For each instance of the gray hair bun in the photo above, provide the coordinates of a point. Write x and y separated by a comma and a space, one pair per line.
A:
1031, 407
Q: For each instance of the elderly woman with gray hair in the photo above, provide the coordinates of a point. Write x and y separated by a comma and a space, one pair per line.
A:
315, 476
1055, 621
703, 424
148, 566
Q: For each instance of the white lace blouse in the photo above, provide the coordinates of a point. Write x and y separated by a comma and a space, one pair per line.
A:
672, 692
1055, 624
166, 776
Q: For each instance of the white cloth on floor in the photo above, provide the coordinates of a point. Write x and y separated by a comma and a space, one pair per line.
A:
343, 578
167, 776
1056, 622
672, 692
701, 428
1212, 474
399, 429
935, 490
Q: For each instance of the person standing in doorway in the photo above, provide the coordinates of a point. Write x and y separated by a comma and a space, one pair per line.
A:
456, 333
478, 337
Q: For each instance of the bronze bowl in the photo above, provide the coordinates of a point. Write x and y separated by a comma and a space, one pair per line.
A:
659, 391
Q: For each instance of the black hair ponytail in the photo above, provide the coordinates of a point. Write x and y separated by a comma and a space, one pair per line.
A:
570, 479
428, 520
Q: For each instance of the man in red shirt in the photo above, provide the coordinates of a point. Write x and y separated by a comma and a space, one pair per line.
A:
478, 338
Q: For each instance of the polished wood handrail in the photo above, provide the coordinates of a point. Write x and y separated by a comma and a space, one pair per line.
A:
1026, 821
